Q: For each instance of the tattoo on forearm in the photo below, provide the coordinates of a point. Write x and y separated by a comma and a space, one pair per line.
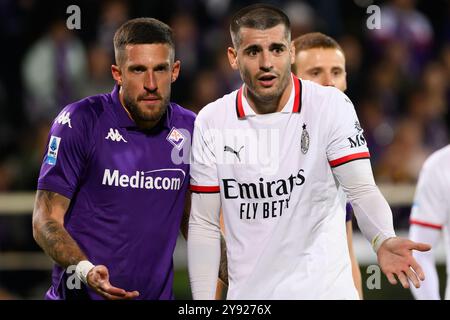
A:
58, 244
223, 267
52, 236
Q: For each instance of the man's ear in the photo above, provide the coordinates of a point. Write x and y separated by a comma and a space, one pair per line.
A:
117, 74
292, 49
232, 57
176, 70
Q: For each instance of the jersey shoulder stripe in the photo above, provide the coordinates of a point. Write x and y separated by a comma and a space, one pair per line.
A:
425, 224
204, 189
351, 157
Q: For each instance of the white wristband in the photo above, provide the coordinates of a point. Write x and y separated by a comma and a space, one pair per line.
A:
378, 240
82, 270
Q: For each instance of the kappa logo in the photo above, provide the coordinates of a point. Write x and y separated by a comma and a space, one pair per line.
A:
64, 118
176, 138
114, 135
230, 149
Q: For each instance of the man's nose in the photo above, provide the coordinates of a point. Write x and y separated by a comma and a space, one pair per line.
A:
150, 82
328, 80
265, 62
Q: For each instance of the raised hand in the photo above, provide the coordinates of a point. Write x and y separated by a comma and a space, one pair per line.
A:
98, 280
396, 260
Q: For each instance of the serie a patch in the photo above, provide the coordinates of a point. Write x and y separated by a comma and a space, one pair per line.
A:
52, 153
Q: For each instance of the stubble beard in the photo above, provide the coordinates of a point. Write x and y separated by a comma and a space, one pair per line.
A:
267, 102
139, 114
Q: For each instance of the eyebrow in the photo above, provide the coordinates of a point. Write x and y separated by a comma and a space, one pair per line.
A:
277, 46
320, 68
252, 47
314, 69
136, 66
164, 65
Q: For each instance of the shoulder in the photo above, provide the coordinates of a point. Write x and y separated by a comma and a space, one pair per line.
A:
326, 96
88, 108
83, 114
183, 114
217, 111
438, 160
325, 102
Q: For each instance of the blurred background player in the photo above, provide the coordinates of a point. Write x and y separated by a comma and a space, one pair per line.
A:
320, 58
430, 218
110, 198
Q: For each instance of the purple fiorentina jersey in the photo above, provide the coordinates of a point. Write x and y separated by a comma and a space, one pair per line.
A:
127, 194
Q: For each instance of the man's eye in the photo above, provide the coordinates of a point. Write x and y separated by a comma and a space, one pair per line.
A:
278, 50
252, 53
161, 69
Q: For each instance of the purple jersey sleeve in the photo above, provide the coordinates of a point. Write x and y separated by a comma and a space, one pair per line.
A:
348, 212
67, 151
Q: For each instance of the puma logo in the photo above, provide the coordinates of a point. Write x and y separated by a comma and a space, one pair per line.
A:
229, 149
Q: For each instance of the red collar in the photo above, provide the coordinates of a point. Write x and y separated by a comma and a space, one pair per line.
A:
297, 99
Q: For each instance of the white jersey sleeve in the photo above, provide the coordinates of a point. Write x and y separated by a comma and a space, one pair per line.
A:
203, 245
429, 215
372, 212
431, 205
203, 169
346, 141
429, 288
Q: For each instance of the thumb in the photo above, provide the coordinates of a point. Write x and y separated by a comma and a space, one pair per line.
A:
100, 272
420, 246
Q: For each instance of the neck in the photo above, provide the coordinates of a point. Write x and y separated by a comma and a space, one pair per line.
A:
272, 105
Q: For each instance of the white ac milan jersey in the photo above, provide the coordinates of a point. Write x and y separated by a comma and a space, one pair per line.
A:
284, 223
431, 207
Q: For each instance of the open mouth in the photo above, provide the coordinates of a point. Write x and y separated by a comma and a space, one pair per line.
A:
267, 80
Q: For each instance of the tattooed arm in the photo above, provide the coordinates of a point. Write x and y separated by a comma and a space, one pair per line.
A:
185, 220
49, 231
50, 234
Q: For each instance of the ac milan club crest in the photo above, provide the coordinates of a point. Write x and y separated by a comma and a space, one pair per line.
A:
305, 139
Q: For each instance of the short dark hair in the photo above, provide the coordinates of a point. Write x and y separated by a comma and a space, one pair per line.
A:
258, 16
142, 31
314, 40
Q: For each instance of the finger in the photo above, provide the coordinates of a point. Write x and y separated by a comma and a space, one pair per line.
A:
403, 280
417, 269
132, 295
127, 296
391, 278
413, 278
108, 288
109, 296
420, 246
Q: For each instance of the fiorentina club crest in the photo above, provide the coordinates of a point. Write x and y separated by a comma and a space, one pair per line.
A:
305, 139
176, 138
